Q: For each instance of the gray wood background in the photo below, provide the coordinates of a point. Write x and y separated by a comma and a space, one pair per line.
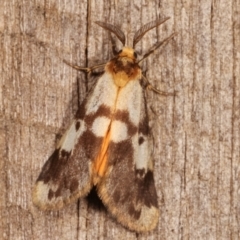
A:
197, 133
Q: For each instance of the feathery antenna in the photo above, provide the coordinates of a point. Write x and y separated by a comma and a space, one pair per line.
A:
117, 31
145, 28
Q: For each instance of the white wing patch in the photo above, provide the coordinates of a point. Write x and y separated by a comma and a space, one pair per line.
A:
105, 92
68, 140
130, 99
142, 156
118, 131
100, 126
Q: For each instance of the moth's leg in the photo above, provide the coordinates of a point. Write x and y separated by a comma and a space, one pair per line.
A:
88, 70
156, 46
148, 86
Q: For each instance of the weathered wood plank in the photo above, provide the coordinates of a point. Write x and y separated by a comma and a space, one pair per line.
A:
196, 133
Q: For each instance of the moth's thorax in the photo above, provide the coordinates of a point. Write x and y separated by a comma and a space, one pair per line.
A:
124, 67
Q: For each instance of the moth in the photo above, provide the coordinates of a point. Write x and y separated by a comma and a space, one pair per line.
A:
108, 144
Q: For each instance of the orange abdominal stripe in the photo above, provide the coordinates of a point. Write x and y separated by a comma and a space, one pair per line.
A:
100, 163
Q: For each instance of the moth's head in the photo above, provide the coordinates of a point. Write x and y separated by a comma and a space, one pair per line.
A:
137, 36
127, 52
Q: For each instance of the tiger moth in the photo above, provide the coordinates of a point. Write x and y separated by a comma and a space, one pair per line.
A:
108, 144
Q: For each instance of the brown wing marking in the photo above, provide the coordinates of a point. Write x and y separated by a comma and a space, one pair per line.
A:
65, 176
128, 189
127, 192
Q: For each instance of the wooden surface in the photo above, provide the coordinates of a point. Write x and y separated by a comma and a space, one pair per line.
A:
196, 133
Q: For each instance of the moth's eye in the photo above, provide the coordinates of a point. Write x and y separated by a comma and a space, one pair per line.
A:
119, 51
135, 54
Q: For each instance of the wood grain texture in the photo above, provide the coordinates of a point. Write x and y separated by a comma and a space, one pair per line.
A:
196, 133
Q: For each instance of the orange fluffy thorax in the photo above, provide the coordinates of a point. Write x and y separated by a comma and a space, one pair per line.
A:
124, 67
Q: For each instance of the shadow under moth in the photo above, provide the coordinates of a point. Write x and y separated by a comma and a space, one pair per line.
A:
108, 144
